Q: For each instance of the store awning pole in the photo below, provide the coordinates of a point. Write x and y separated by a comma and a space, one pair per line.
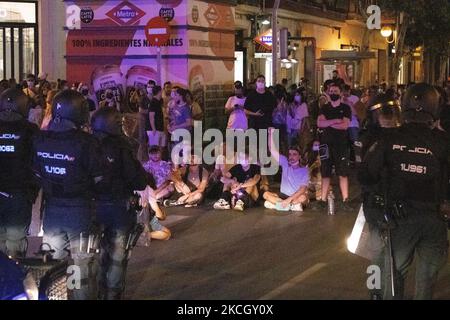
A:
275, 39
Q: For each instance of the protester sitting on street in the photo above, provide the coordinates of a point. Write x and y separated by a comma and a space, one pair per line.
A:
161, 172
294, 181
190, 182
240, 186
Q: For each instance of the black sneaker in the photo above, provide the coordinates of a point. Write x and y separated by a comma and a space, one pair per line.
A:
345, 206
319, 205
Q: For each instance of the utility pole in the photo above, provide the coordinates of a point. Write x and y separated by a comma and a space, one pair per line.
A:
275, 61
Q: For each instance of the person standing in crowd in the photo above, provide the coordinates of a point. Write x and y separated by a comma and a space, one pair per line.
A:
18, 188
353, 130
123, 174
156, 135
110, 100
259, 106
84, 90
30, 89
62, 85
334, 120
296, 116
240, 189
293, 194
68, 163
190, 182
337, 80
235, 106
48, 109
196, 109
180, 116
161, 171
409, 211
279, 115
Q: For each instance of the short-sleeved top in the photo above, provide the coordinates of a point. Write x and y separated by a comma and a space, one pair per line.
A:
266, 103
156, 107
179, 114
159, 170
241, 175
330, 113
292, 179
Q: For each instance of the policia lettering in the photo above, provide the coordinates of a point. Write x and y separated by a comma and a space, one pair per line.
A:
18, 187
404, 176
68, 164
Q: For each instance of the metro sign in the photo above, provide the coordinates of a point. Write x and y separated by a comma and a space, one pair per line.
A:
265, 39
126, 14
212, 16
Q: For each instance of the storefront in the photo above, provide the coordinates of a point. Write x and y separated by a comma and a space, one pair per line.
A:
19, 39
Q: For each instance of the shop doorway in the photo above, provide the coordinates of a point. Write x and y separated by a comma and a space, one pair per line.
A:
18, 39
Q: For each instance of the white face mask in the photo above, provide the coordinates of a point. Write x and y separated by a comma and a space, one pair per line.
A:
260, 85
298, 99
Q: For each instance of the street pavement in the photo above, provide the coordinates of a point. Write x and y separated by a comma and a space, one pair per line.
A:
258, 254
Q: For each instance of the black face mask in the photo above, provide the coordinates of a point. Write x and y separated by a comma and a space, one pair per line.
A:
85, 92
335, 97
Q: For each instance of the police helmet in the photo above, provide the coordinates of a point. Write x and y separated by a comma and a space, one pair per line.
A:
70, 105
385, 111
107, 120
14, 100
421, 104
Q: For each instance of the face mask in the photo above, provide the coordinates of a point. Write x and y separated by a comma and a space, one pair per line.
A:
335, 97
30, 84
172, 95
149, 91
260, 85
298, 99
85, 92
109, 96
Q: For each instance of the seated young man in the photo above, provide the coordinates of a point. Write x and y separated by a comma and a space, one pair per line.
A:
190, 182
240, 189
161, 172
294, 182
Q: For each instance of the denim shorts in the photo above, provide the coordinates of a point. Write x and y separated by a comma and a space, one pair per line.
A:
155, 225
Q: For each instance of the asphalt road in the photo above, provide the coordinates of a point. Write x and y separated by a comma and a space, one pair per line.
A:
259, 254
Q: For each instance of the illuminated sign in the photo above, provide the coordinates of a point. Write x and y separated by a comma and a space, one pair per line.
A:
265, 39
126, 14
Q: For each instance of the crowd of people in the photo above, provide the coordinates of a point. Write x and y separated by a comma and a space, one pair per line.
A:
82, 152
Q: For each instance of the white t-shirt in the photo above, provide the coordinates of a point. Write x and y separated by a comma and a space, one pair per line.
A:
292, 179
351, 101
294, 123
238, 118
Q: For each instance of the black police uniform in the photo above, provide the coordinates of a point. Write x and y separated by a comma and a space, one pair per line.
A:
18, 188
68, 162
123, 175
413, 161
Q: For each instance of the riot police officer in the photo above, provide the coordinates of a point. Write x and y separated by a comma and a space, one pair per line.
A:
116, 215
413, 160
68, 163
18, 188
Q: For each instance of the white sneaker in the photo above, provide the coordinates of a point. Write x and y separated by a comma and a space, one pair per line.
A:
222, 204
296, 207
239, 206
269, 205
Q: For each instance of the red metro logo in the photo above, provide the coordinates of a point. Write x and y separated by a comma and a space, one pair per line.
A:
126, 14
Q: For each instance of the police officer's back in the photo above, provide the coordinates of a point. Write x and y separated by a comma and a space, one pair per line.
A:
415, 160
68, 163
18, 188
123, 175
